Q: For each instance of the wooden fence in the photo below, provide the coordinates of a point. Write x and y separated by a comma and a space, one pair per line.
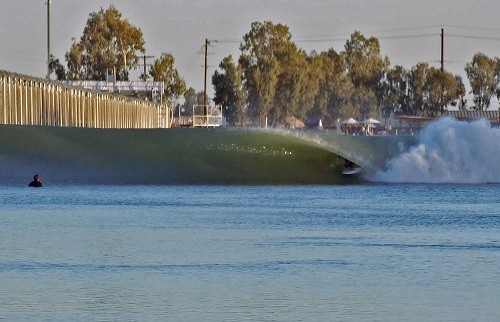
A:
30, 101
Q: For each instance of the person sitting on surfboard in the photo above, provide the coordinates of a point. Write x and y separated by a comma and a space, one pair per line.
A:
37, 182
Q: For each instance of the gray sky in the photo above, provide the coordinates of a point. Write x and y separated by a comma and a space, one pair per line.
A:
180, 27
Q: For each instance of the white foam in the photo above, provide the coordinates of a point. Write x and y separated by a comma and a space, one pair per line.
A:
449, 151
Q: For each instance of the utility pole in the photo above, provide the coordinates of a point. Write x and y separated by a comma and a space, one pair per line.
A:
442, 67
205, 96
144, 57
48, 39
442, 49
205, 82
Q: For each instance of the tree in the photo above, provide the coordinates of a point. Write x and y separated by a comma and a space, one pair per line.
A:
483, 78
443, 90
431, 90
497, 73
461, 101
262, 48
334, 86
229, 90
366, 68
74, 59
392, 92
163, 70
363, 102
363, 60
417, 89
304, 87
190, 99
302, 84
57, 67
108, 43
292, 97
200, 98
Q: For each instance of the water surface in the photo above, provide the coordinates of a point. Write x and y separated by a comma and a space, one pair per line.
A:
316, 253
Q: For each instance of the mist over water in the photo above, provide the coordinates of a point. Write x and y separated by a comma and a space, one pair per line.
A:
449, 151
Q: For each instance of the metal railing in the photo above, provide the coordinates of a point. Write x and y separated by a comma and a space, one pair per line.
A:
207, 116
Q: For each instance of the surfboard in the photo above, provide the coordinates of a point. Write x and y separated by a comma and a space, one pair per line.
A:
351, 171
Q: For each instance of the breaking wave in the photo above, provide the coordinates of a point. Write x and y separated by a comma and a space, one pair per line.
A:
448, 151
187, 156
163, 156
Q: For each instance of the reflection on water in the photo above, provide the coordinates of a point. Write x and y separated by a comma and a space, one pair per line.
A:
371, 252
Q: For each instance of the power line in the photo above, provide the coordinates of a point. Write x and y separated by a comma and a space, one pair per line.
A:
409, 36
473, 37
370, 32
317, 38
22, 57
335, 37
321, 36
404, 29
382, 38
226, 41
320, 40
473, 27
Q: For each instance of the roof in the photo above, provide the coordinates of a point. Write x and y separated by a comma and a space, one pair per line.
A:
465, 115
295, 122
412, 118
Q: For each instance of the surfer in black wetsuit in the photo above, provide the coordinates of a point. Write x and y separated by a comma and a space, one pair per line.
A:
37, 182
348, 164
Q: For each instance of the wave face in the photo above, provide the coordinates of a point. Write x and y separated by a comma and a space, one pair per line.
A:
187, 156
449, 151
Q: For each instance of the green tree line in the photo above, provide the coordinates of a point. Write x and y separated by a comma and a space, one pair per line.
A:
110, 44
274, 78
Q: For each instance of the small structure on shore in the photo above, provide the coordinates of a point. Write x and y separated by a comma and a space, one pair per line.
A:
207, 116
464, 115
369, 125
348, 125
294, 122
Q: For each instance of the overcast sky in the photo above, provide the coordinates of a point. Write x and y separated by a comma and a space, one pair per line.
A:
180, 27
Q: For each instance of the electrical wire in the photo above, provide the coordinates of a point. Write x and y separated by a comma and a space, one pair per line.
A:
380, 38
226, 41
335, 38
404, 29
473, 37
369, 32
472, 27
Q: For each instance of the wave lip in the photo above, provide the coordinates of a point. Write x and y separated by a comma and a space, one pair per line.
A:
448, 151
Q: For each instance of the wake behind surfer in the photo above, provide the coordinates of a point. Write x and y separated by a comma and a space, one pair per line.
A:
37, 182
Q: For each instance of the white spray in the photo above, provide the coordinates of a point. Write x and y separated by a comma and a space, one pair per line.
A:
449, 151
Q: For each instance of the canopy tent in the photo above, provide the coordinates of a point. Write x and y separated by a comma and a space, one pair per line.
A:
371, 121
350, 121
295, 122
